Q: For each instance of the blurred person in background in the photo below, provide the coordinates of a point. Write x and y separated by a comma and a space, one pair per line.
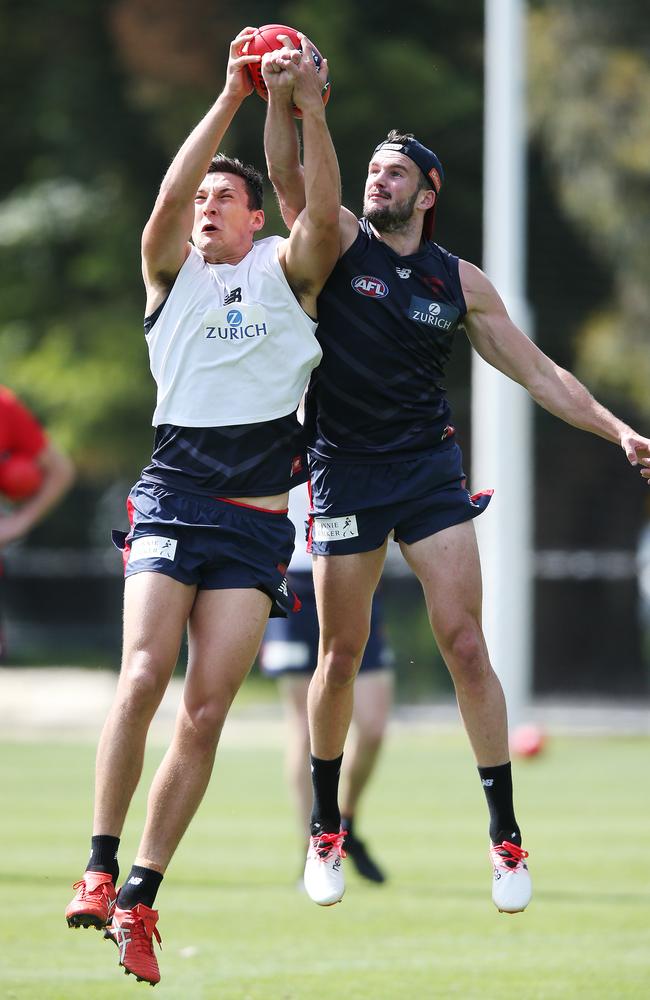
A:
289, 653
643, 577
34, 475
230, 326
383, 456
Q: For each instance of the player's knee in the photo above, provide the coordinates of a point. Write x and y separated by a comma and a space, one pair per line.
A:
370, 727
466, 655
339, 667
203, 721
142, 684
371, 735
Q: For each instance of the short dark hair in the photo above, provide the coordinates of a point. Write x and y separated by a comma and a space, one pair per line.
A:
252, 178
403, 137
396, 136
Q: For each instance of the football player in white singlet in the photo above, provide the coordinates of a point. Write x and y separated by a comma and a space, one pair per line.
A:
380, 461
230, 329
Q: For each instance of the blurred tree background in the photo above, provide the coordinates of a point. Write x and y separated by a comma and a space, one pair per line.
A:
99, 94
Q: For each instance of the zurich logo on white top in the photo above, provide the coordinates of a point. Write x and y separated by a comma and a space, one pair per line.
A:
234, 317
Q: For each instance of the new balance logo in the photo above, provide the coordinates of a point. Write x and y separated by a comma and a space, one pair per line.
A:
135, 880
403, 272
487, 782
234, 296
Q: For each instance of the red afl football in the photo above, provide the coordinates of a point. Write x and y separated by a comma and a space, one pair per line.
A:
20, 477
266, 39
527, 740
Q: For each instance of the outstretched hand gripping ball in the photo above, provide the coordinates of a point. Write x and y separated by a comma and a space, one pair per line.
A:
265, 40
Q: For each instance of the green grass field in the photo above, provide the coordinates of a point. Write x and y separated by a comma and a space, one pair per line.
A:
234, 926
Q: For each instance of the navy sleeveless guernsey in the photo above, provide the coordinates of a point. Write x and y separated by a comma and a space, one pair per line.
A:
386, 325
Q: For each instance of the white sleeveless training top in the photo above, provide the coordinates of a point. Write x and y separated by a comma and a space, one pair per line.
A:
231, 344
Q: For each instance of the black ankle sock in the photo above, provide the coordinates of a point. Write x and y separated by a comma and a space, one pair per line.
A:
347, 822
325, 815
497, 785
140, 887
103, 856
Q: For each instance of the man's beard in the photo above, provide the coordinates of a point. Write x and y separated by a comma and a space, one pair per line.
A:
390, 218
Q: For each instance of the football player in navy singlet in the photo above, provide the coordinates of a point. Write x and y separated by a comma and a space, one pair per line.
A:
289, 653
383, 457
230, 330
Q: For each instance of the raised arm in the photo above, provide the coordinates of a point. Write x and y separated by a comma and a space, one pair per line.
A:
282, 148
312, 249
165, 238
499, 342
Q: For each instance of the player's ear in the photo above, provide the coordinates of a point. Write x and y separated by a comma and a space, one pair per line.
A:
257, 220
428, 198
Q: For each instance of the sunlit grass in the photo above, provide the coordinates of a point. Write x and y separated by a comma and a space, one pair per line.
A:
235, 927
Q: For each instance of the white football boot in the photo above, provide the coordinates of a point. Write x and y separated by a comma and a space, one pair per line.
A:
324, 882
511, 885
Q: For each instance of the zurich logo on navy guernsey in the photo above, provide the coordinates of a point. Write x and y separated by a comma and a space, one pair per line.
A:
438, 314
366, 284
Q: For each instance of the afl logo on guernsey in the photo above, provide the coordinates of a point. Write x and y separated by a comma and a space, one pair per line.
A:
374, 288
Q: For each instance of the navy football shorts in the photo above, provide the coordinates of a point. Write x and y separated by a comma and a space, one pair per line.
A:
209, 543
290, 645
355, 507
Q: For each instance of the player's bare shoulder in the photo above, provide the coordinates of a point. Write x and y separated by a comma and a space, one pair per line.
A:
474, 282
349, 228
480, 294
159, 278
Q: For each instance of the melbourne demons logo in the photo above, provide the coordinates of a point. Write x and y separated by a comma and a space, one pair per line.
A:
374, 288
